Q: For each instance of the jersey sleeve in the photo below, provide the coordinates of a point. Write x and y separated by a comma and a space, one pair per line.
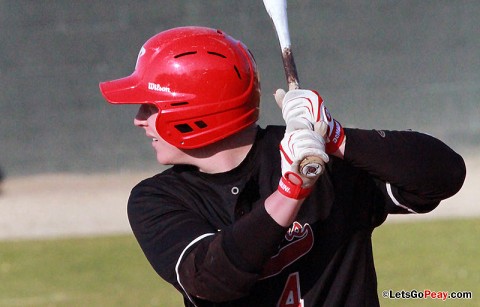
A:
416, 171
164, 227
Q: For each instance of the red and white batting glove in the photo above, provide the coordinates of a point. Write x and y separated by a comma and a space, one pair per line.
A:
295, 146
304, 108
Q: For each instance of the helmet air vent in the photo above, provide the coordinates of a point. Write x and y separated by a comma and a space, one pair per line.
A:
177, 104
184, 54
184, 128
238, 73
201, 124
217, 54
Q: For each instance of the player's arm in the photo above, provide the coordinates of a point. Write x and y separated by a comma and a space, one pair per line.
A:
417, 170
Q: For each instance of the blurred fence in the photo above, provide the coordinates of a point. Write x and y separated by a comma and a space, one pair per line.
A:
386, 64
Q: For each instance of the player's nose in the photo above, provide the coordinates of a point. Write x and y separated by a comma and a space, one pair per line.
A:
139, 123
140, 119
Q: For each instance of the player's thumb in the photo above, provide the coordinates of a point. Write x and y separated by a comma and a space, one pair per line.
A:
279, 95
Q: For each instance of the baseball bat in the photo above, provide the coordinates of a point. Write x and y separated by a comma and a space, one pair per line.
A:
277, 10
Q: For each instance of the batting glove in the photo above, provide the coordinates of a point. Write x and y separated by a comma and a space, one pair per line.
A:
304, 108
297, 145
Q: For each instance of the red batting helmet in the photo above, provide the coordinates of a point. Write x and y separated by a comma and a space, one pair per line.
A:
204, 83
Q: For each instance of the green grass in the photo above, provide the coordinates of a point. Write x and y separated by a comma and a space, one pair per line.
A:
112, 271
104, 271
435, 255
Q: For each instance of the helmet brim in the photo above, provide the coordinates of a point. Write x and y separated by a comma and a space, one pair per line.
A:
124, 91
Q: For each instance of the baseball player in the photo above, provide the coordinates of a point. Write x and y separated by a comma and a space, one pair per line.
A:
233, 222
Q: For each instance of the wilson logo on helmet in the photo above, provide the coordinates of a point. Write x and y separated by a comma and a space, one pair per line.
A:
158, 87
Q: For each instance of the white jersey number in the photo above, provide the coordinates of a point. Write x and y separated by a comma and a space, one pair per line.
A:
291, 295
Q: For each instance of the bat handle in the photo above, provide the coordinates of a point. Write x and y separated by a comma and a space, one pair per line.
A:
290, 69
293, 86
310, 166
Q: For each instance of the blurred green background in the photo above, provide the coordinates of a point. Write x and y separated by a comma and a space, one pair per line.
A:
383, 64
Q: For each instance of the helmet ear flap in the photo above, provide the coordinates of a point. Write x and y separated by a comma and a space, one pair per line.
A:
203, 126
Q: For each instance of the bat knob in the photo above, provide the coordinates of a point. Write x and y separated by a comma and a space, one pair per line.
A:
312, 166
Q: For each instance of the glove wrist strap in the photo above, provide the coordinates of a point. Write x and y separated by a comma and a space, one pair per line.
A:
336, 137
290, 190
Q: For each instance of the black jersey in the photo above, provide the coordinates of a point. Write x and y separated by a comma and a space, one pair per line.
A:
210, 236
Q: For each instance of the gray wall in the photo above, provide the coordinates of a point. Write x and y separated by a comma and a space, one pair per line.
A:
386, 64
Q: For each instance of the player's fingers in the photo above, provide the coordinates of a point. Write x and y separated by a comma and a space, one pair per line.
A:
321, 128
279, 95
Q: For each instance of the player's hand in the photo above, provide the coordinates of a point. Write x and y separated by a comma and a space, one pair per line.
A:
296, 145
304, 108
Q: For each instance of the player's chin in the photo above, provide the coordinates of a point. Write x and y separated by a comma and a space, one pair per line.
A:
164, 160
167, 154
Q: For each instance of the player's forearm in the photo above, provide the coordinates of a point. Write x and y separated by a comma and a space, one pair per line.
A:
282, 209
226, 267
264, 228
